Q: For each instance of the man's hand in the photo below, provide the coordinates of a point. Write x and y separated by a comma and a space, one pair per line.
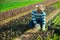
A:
38, 26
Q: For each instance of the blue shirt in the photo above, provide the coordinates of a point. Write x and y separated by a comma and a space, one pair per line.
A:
41, 16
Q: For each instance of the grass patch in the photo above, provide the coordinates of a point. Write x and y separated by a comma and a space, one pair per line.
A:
57, 5
9, 5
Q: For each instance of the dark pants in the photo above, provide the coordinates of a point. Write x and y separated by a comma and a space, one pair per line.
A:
31, 24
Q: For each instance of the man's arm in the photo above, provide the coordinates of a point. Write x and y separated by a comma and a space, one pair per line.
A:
33, 17
44, 18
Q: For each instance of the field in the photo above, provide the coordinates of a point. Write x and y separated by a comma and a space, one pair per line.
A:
15, 28
12, 4
12, 13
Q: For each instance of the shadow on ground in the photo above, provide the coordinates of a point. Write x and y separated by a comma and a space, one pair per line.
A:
12, 29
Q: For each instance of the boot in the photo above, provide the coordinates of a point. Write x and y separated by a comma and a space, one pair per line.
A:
43, 28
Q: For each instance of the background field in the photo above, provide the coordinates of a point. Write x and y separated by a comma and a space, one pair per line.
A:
57, 5
12, 4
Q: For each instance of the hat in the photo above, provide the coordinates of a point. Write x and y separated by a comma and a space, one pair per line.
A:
41, 7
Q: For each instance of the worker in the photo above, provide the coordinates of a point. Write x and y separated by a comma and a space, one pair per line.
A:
38, 18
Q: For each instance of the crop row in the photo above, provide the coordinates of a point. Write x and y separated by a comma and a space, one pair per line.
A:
56, 21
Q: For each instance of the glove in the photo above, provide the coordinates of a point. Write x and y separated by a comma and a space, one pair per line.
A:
43, 28
38, 26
